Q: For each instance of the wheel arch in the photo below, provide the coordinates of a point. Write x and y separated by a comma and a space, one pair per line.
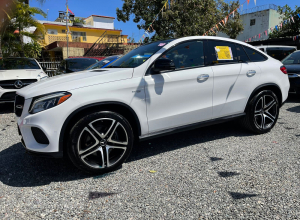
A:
117, 107
270, 86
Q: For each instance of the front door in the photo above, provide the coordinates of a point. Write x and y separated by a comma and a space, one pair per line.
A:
183, 96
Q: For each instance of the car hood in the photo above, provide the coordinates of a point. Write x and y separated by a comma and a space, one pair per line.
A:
67, 82
20, 74
294, 68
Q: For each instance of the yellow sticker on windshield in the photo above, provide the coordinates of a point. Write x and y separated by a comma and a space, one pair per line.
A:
223, 53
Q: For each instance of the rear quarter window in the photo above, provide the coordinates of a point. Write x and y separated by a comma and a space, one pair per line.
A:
254, 55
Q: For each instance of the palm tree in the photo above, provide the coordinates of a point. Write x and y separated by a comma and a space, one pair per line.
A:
20, 18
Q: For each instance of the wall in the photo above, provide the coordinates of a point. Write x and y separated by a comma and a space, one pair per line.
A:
263, 20
91, 34
106, 23
73, 52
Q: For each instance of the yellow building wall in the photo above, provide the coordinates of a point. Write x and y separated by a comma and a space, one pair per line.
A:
92, 35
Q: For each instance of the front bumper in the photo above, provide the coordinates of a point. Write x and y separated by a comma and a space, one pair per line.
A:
294, 83
49, 123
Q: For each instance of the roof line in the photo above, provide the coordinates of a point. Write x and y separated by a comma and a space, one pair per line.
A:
101, 16
83, 27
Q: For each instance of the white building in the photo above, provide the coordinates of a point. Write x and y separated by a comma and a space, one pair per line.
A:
99, 21
256, 21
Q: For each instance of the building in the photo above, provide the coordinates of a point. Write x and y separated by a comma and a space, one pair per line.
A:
256, 21
82, 37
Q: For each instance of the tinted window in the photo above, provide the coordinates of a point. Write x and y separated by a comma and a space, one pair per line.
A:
262, 49
293, 58
186, 55
139, 55
221, 52
102, 63
279, 53
254, 55
18, 63
241, 54
79, 64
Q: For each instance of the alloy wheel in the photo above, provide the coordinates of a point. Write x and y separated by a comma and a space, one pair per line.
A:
102, 143
265, 112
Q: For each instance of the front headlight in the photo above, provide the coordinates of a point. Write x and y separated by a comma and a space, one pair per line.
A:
42, 103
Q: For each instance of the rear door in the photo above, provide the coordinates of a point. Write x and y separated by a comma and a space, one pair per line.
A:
226, 69
247, 80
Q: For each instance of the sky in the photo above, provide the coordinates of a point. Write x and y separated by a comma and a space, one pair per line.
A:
85, 8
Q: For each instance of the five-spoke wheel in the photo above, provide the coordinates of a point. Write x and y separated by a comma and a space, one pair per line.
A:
100, 142
262, 112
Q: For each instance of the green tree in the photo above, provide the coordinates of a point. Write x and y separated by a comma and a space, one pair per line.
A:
17, 22
181, 17
288, 29
79, 20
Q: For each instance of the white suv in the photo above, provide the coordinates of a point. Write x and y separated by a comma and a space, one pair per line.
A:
96, 116
16, 73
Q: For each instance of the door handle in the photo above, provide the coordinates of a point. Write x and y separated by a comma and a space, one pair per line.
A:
251, 73
202, 77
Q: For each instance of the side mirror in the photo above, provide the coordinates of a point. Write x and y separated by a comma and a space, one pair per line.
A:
163, 64
44, 68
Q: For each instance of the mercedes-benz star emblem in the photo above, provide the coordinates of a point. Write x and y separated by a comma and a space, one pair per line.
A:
18, 84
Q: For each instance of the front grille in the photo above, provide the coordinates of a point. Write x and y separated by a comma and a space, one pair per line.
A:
19, 105
8, 96
16, 83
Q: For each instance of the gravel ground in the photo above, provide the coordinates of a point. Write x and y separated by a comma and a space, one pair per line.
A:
217, 172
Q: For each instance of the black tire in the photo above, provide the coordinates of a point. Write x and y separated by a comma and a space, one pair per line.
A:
100, 142
255, 114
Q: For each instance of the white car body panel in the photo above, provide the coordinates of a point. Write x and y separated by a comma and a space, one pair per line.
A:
182, 108
161, 102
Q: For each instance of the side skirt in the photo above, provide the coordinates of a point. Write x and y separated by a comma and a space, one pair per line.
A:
190, 127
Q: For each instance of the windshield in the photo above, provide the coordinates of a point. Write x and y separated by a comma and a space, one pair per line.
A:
139, 55
102, 63
280, 53
293, 58
79, 64
18, 63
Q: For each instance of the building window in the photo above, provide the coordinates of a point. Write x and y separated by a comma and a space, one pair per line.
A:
76, 34
63, 31
52, 31
252, 22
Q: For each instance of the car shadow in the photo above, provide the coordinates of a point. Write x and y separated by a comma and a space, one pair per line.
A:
6, 108
19, 169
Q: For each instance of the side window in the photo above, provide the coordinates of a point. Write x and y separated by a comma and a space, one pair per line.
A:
254, 55
222, 52
241, 54
262, 49
279, 53
186, 55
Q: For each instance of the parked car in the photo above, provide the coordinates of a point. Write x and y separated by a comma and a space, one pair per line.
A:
71, 65
292, 64
96, 116
103, 63
16, 73
277, 52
